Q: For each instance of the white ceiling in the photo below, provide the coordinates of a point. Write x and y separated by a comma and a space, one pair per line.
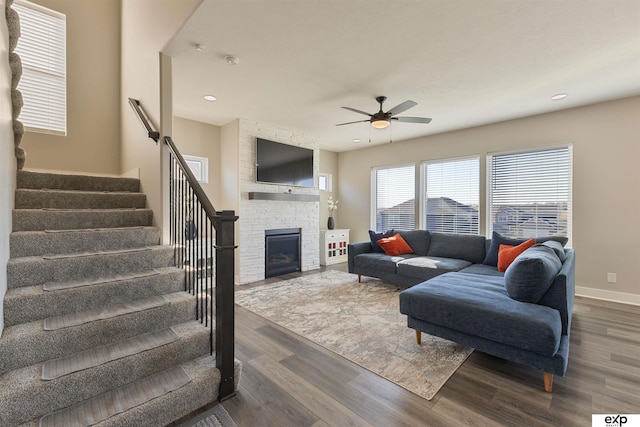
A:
466, 62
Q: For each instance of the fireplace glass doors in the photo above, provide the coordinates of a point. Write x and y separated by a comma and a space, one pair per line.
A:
282, 251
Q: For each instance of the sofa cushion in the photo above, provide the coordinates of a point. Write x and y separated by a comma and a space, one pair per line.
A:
498, 239
428, 267
395, 245
557, 248
461, 246
507, 254
560, 239
531, 274
419, 240
378, 262
375, 247
479, 305
486, 270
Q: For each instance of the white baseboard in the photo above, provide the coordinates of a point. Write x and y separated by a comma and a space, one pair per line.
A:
621, 297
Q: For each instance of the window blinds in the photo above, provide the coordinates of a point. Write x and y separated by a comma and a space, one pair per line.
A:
395, 198
42, 49
530, 193
452, 195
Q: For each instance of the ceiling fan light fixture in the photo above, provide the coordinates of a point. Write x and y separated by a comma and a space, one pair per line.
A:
380, 123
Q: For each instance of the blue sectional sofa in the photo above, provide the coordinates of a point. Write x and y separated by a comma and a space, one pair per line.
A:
456, 292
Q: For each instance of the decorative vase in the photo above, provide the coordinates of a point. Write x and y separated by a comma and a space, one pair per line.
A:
331, 223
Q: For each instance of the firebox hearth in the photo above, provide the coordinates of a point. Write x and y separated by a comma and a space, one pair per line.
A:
281, 251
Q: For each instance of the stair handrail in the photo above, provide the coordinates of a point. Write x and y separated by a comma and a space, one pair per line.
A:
144, 119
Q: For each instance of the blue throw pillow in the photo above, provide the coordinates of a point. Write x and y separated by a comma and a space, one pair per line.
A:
557, 248
531, 274
498, 239
377, 236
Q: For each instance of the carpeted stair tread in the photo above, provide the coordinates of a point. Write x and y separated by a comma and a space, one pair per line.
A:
79, 318
29, 343
88, 230
52, 198
59, 219
29, 271
99, 355
58, 286
34, 243
92, 411
96, 253
38, 180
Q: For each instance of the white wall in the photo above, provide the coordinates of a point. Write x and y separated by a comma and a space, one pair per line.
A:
146, 27
92, 143
203, 140
329, 165
606, 199
7, 159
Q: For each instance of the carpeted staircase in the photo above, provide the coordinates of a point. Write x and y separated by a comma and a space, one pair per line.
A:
98, 329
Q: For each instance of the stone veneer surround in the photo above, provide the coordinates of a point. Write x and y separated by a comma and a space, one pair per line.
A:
256, 216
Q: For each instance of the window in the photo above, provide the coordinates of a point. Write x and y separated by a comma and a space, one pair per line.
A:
324, 182
199, 166
451, 190
530, 193
394, 198
42, 49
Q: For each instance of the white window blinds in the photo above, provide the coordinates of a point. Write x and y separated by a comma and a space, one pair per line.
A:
42, 49
530, 193
394, 198
451, 195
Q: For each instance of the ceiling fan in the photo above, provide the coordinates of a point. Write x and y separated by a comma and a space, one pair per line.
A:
381, 120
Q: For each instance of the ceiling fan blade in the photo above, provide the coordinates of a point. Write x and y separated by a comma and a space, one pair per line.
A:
402, 107
350, 123
412, 119
356, 111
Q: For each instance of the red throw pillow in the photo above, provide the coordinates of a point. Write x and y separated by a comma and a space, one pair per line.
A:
395, 245
508, 253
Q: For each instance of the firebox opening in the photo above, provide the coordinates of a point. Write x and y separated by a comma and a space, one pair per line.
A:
282, 251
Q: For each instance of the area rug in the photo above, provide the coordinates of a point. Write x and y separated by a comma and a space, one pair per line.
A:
361, 322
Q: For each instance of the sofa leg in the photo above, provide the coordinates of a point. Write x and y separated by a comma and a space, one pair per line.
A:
548, 382
359, 278
418, 337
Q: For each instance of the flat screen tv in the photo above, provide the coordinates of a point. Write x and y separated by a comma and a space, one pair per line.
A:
278, 163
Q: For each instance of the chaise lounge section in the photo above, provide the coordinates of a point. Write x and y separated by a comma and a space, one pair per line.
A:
522, 314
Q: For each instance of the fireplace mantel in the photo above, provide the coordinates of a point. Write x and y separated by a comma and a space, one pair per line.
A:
290, 197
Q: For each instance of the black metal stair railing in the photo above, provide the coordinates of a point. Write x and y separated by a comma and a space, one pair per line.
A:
204, 244
203, 239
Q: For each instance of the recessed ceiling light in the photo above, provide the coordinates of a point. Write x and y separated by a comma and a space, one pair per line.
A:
356, 140
210, 98
232, 60
559, 96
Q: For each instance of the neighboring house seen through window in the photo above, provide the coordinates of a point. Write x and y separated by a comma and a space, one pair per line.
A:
530, 193
451, 195
42, 50
394, 198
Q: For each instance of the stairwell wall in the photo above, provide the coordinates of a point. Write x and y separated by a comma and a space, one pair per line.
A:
93, 93
7, 159
146, 27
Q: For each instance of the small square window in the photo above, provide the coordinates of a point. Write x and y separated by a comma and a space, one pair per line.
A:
199, 166
324, 182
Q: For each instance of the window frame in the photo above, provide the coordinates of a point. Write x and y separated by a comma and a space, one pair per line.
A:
203, 162
490, 179
328, 181
423, 197
38, 113
374, 192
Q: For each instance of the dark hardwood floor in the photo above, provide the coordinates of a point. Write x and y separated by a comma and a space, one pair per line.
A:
290, 381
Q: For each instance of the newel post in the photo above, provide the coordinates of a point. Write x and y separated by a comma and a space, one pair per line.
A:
223, 222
